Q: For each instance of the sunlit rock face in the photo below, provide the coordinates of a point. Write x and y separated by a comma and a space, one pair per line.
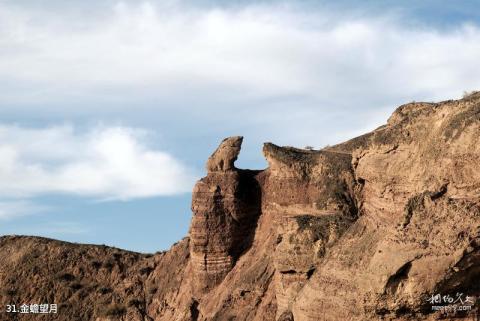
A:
370, 229
226, 206
311, 194
418, 222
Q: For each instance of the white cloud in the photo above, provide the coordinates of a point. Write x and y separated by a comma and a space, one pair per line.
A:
276, 72
134, 51
103, 163
272, 72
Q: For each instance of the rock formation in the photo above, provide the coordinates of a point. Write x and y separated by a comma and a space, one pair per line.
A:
369, 229
225, 206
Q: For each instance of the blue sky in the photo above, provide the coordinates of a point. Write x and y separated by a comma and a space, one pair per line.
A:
109, 109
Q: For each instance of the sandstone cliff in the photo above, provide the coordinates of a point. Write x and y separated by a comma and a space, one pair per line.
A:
365, 230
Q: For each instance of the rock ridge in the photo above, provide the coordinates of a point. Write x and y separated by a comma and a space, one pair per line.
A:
368, 229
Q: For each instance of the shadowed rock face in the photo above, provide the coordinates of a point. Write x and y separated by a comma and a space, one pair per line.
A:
365, 230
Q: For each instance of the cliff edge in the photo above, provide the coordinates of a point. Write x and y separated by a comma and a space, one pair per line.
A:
380, 227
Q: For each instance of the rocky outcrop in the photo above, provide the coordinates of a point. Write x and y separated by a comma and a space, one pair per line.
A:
369, 229
419, 216
224, 157
90, 282
311, 195
225, 206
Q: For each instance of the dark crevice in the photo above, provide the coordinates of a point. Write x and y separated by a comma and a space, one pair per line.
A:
288, 272
398, 278
194, 313
310, 273
439, 193
248, 198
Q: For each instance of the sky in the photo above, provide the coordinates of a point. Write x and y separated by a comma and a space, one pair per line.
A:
109, 109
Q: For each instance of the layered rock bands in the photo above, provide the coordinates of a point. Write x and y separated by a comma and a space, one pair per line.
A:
385, 226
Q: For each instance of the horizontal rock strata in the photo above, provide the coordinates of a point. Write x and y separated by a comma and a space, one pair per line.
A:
369, 229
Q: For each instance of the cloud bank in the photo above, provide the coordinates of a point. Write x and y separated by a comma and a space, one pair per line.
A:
282, 72
101, 163
174, 52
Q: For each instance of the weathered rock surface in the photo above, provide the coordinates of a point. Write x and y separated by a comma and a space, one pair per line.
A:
365, 230
224, 157
225, 206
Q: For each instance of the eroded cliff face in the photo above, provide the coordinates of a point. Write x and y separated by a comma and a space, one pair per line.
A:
364, 230
226, 207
